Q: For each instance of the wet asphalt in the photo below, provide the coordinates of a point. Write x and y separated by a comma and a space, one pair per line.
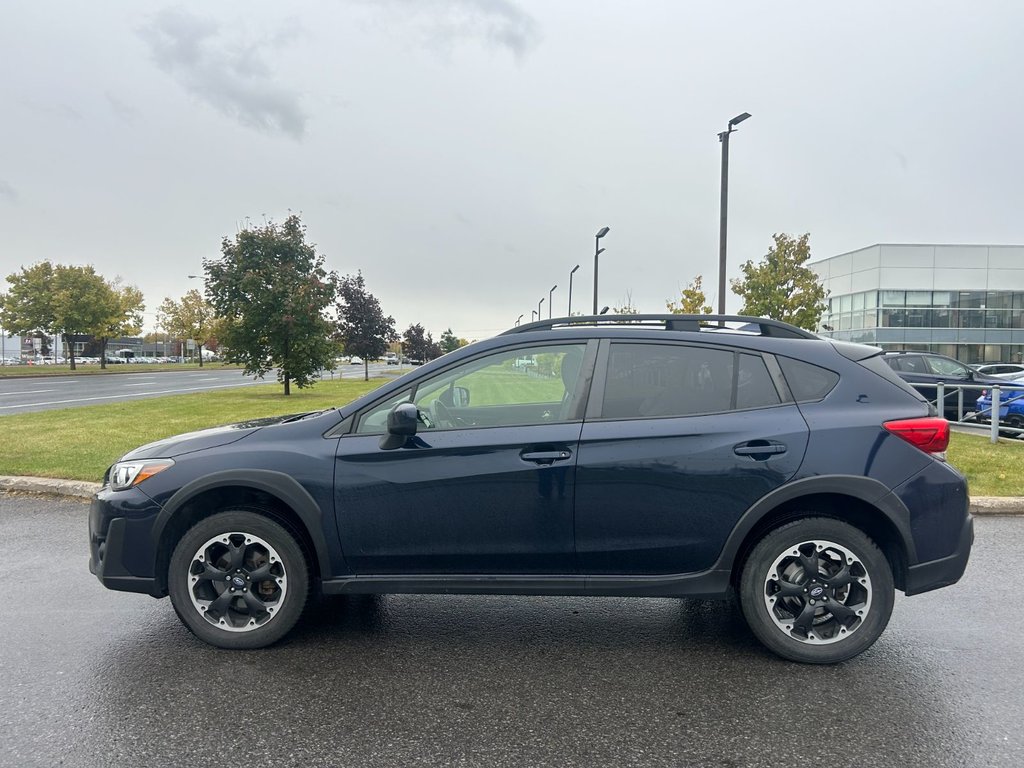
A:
92, 677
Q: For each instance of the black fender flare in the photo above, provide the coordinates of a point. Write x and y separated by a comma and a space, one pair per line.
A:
281, 486
862, 488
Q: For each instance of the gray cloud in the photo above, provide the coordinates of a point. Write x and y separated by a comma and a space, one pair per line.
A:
498, 23
233, 79
7, 192
125, 112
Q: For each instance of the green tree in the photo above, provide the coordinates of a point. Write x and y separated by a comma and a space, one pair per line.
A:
692, 300
273, 293
450, 342
191, 317
64, 299
123, 307
363, 328
780, 287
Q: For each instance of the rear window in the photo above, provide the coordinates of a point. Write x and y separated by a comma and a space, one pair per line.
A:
806, 381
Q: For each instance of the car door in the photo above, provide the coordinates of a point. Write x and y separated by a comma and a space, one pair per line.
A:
679, 441
486, 485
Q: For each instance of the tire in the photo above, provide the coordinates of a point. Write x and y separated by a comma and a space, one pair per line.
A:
838, 564
238, 580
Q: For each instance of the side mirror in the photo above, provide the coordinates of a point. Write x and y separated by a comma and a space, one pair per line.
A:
460, 397
402, 419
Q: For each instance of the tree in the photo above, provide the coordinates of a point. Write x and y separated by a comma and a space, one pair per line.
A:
450, 342
362, 326
48, 298
780, 287
192, 317
123, 305
692, 300
627, 307
272, 291
418, 344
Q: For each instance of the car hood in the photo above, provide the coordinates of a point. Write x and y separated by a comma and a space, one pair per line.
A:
214, 437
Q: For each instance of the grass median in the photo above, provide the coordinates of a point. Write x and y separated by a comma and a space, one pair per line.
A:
80, 443
992, 470
91, 369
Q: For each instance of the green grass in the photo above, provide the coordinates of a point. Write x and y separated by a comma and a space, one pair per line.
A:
80, 443
992, 470
20, 371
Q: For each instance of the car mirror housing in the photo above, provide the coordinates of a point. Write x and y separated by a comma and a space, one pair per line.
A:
402, 423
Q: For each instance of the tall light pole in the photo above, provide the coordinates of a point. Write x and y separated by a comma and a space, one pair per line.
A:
532, 313
539, 316
549, 300
518, 319
568, 312
723, 231
597, 252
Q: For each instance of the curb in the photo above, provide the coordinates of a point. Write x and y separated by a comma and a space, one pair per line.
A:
980, 505
49, 486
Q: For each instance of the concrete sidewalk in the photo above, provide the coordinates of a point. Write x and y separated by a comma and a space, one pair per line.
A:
980, 505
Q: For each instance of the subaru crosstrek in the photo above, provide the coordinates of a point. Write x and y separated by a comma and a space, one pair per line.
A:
649, 455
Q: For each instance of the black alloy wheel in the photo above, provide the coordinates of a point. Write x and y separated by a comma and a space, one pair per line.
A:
817, 590
238, 580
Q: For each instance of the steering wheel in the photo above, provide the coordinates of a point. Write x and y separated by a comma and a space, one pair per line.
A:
444, 416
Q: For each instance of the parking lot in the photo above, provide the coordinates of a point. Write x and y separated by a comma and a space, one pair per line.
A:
91, 677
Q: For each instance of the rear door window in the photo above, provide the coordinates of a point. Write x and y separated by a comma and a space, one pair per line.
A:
667, 380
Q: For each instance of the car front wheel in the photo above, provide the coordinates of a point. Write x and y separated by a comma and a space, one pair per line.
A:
817, 590
238, 579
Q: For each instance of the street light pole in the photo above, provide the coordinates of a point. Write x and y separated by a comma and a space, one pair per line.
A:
723, 230
597, 252
549, 300
568, 312
518, 319
532, 313
539, 316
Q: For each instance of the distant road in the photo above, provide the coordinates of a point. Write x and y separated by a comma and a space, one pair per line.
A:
51, 392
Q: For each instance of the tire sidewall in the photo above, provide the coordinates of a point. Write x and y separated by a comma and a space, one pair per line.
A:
251, 522
786, 537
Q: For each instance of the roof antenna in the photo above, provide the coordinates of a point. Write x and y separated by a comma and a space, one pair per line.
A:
603, 311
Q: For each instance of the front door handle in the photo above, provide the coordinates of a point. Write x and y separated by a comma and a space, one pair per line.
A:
759, 450
545, 457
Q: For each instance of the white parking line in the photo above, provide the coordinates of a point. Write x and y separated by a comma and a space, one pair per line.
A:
27, 392
122, 396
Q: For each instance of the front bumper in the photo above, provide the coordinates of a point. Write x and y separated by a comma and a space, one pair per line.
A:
934, 574
120, 546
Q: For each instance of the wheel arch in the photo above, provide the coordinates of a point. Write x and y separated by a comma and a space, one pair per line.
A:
275, 494
860, 501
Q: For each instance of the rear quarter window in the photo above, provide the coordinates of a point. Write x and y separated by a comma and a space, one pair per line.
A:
878, 365
806, 381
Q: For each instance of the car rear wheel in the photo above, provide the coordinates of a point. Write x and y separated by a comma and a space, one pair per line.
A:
817, 591
238, 580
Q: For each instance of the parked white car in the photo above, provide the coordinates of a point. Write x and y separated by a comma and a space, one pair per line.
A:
1008, 371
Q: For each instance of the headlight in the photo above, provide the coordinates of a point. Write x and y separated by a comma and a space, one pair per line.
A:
126, 474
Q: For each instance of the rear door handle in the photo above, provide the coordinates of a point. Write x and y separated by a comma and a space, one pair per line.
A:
545, 457
759, 450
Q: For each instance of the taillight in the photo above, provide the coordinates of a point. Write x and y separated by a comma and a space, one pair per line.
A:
930, 433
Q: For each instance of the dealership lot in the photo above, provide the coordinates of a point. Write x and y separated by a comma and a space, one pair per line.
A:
90, 676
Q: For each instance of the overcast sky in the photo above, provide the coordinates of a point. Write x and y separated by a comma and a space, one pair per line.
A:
462, 153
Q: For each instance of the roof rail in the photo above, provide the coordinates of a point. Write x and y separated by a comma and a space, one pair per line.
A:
764, 326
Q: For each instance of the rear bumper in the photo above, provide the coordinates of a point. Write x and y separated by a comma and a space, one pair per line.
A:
934, 574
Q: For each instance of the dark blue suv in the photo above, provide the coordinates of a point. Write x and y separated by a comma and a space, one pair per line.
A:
649, 455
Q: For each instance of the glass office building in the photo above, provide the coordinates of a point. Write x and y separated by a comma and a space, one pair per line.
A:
965, 301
